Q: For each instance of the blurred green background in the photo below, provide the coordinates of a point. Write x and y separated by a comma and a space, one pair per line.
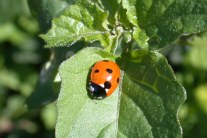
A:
22, 56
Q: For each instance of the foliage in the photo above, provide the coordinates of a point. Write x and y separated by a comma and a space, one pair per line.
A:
152, 24
21, 57
191, 72
151, 88
139, 35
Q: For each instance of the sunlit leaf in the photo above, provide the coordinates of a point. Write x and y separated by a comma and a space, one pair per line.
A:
164, 21
78, 22
150, 97
148, 106
75, 109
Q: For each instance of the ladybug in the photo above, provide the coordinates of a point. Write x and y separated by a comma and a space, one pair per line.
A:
104, 79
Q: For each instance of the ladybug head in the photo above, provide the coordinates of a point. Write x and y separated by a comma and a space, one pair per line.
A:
97, 91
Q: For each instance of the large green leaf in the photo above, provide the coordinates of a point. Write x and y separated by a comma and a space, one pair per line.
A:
80, 21
165, 20
150, 98
148, 105
78, 115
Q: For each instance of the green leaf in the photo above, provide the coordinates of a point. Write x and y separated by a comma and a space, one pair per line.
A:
78, 115
164, 21
111, 6
140, 37
150, 97
44, 92
148, 106
47, 87
78, 22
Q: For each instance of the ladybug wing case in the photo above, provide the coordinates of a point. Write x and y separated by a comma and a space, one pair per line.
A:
104, 79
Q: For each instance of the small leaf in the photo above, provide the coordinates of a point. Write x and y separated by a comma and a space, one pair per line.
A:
111, 6
78, 115
78, 22
141, 37
164, 21
150, 97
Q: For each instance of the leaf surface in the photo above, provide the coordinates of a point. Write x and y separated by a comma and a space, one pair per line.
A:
164, 21
78, 115
150, 97
148, 105
153, 23
79, 22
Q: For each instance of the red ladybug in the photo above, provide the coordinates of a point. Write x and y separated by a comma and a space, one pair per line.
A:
105, 77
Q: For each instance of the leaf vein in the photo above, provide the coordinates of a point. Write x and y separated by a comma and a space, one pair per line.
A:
143, 83
141, 111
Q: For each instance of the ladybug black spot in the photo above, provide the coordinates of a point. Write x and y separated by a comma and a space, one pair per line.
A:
96, 71
117, 80
109, 70
105, 61
107, 85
